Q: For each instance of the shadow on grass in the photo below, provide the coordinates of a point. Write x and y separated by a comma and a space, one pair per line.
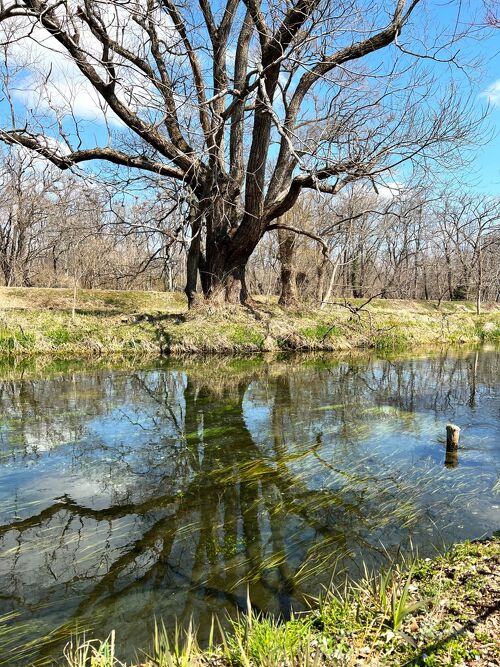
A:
176, 318
467, 627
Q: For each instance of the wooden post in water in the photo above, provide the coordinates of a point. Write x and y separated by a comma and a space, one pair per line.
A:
452, 438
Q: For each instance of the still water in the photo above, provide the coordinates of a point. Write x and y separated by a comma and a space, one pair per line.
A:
166, 491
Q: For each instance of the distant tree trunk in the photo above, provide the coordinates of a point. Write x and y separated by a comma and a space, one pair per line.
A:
320, 274
426, 285
287, 251
448, 272
331, 285
479, 279
357, 290
415, 280
170, 277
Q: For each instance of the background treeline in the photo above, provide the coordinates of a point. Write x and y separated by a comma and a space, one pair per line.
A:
57, 230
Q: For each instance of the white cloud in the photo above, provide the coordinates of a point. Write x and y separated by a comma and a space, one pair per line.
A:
381, 189
390, 190
492, 93
64, 93
49, 81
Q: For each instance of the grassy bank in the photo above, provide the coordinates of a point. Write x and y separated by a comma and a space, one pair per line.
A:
40, 321
436, 612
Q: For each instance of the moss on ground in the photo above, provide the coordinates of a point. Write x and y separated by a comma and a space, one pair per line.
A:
40, 321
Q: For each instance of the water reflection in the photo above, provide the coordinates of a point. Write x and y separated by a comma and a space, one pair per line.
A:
127, 494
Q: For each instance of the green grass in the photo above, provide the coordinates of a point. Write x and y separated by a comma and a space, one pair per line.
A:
393, 341
40, 321
430, 613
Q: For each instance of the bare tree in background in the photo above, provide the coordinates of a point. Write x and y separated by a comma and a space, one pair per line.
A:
244, 104
295, 226
25, 207
469, 225
155, 222
409, 243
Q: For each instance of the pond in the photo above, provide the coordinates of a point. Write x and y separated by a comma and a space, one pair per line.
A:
167, 491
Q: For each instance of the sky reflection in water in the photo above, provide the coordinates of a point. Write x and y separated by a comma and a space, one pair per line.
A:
166, 491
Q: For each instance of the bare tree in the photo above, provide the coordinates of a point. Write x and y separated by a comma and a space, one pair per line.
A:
295, 227
24, 209
469, 225
245, 109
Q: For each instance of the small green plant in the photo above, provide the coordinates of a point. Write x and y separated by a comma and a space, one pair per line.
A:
401, 605
180, 652
394, 340
246, 336
16, 341
80, 652
392, 593
320, 331
265, 641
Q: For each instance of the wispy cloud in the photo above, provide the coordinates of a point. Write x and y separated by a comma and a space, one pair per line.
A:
492, 93
64, 93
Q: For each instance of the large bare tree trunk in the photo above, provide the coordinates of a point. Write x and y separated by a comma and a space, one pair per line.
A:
223, 272
289, 297
193, 257
222, 263
227, 285
220, 286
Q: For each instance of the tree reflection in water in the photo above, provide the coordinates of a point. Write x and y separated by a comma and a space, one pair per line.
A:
169, 491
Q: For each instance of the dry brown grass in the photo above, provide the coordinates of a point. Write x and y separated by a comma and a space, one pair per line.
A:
106, 322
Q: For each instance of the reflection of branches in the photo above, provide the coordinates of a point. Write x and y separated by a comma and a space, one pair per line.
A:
161, 400
233, 501
66, 504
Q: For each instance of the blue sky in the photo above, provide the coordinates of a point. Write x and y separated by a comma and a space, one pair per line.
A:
482, 174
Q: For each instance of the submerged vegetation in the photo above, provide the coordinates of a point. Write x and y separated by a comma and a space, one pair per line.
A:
173, 488
432, 613
38, 321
